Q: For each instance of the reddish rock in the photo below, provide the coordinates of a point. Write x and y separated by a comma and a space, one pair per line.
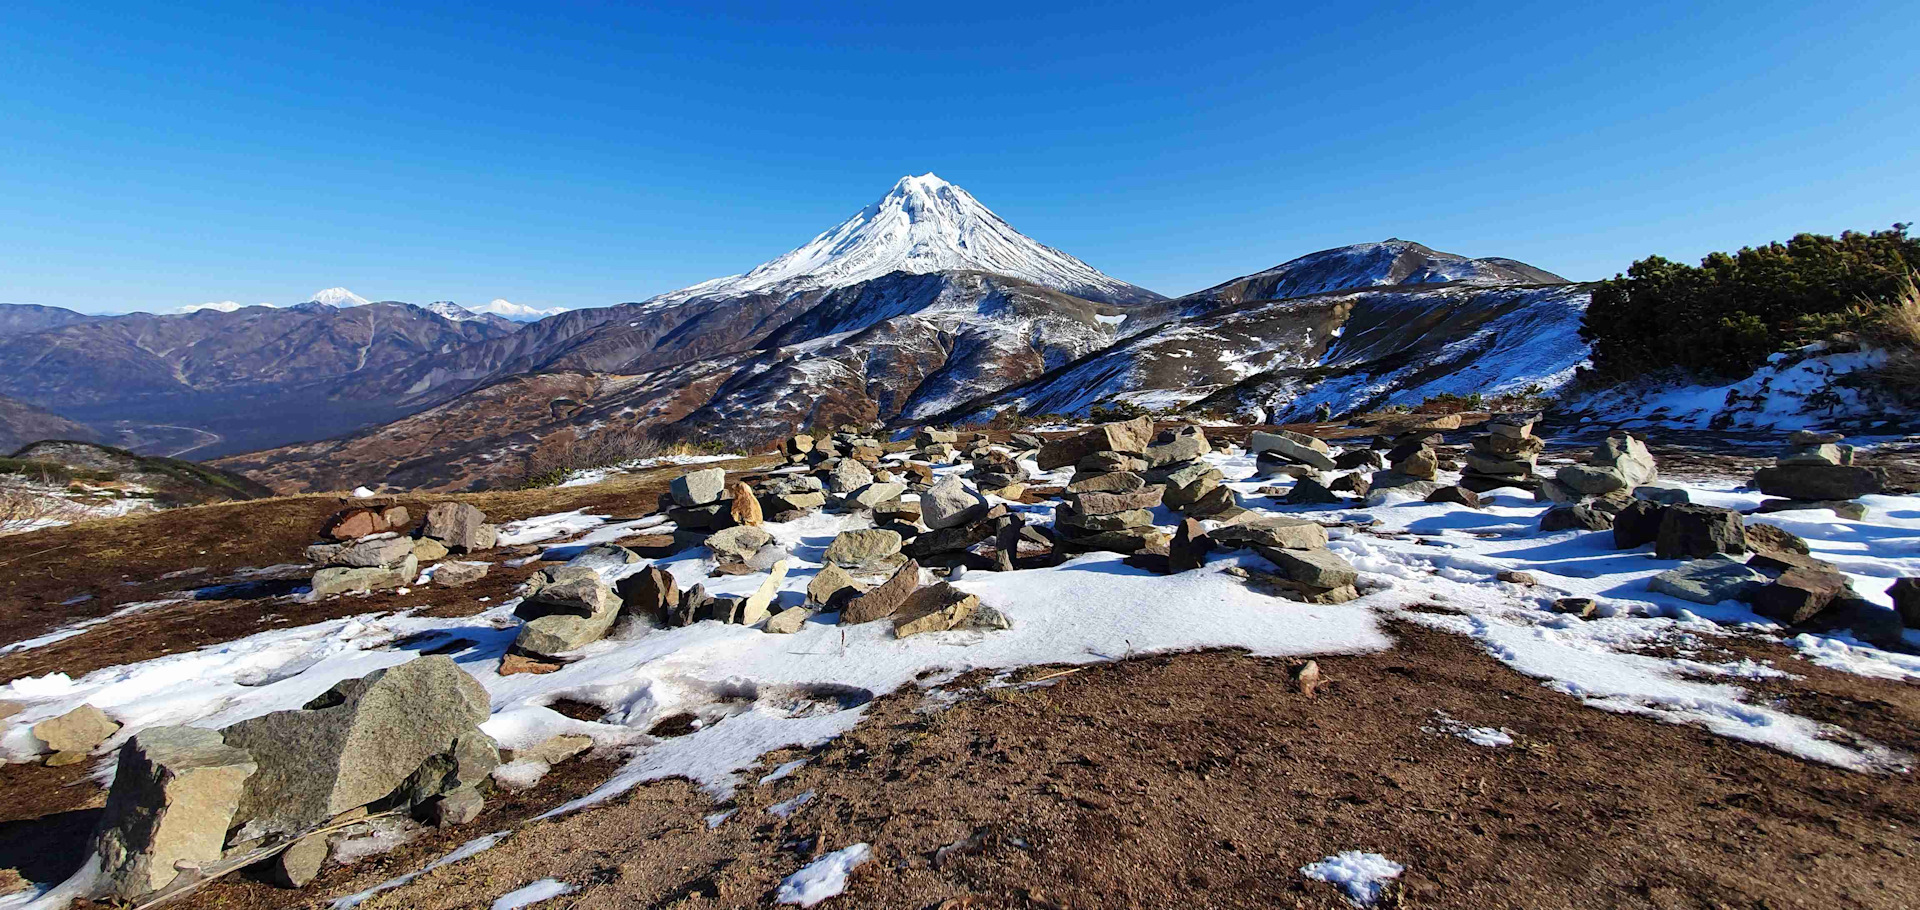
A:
353, 524
520, 663
881, 602
1799, 594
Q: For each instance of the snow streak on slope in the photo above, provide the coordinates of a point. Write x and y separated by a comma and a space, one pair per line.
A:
924, 224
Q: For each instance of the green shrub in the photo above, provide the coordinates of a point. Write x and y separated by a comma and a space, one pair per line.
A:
1724, 317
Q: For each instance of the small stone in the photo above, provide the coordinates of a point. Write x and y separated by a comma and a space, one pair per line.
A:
300, 863
847, 476
1114, 482
832, 586
353, 524
514, 664
1581, 607
1766, 538
459, 807
1422, 464
78, 730
1308, 491
1511, 576
1182, 444
789, 621
699, 488
1456, 495
426, 549
1306, 678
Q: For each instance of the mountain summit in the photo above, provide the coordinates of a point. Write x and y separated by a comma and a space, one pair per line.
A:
924, 224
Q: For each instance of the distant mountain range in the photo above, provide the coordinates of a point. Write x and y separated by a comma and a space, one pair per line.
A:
922, 306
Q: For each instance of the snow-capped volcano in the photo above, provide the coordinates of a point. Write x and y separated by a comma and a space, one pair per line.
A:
924, 224
338, 297
516, 312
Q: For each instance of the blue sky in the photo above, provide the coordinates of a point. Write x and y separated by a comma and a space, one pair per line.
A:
155, 155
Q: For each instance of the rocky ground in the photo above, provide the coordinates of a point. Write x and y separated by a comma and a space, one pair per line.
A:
1206, 777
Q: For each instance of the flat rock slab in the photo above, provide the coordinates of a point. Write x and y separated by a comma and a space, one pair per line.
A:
1273, 531
1708, 581
1320, 568
174, 796
78, 730
698, 488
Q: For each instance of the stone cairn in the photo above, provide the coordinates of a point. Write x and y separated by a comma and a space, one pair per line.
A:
1503, 456
266, 794
1815, 471
371, 549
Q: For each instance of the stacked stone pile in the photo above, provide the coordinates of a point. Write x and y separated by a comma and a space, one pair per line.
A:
1503, 456
1307, 570
1817, 472
386, 559
1413, 467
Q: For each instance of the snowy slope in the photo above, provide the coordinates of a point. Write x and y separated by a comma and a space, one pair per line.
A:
516, 312
924, 224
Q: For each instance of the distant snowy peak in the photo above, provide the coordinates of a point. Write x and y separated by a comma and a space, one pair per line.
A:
924, 224
1391, 262
338, 297
449, 310
224, 306
506, 309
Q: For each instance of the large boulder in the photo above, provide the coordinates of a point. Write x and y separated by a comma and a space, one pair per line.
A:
1592, 480
1637, 523
934, 608
460, 526
1298, 447
650, 592
1906, 600
847, 476
1819, 481
1697, 532
175, 791
885, 600
737, 544
354, 744
951, 503
379, 552
1129, 436
1574, 518
1627, 457
1321, 568
698, 488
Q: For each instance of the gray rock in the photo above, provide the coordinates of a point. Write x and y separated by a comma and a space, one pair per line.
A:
1638, 523
789, 621
78, 730
1709, 581
1183, 444
1697, 532
373, 552
1498, 467
935, 608
699, 488
1108, 503
1272, 531
1844, 508
1906, 600
354, 744
1360, 459
1114, 482
299, 864
1626, 456
460, 526
873, 494
1320, 568
1819, 481
459, 807
1799, 594
1301, 448
456, 574
576, 592
1574, 518
1107, 521
1591, 480
951, 503
174, 796
862, 547
341, 580
1666, 496
736, 544
558, 633
847, 476
1820, 453
1308, 491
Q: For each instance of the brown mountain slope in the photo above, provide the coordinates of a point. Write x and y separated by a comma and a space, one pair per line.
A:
22, 423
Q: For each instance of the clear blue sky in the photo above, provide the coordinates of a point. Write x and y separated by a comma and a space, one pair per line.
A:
159, 154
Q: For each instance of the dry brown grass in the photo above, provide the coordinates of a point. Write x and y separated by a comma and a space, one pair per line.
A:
23, 507
1893, 325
